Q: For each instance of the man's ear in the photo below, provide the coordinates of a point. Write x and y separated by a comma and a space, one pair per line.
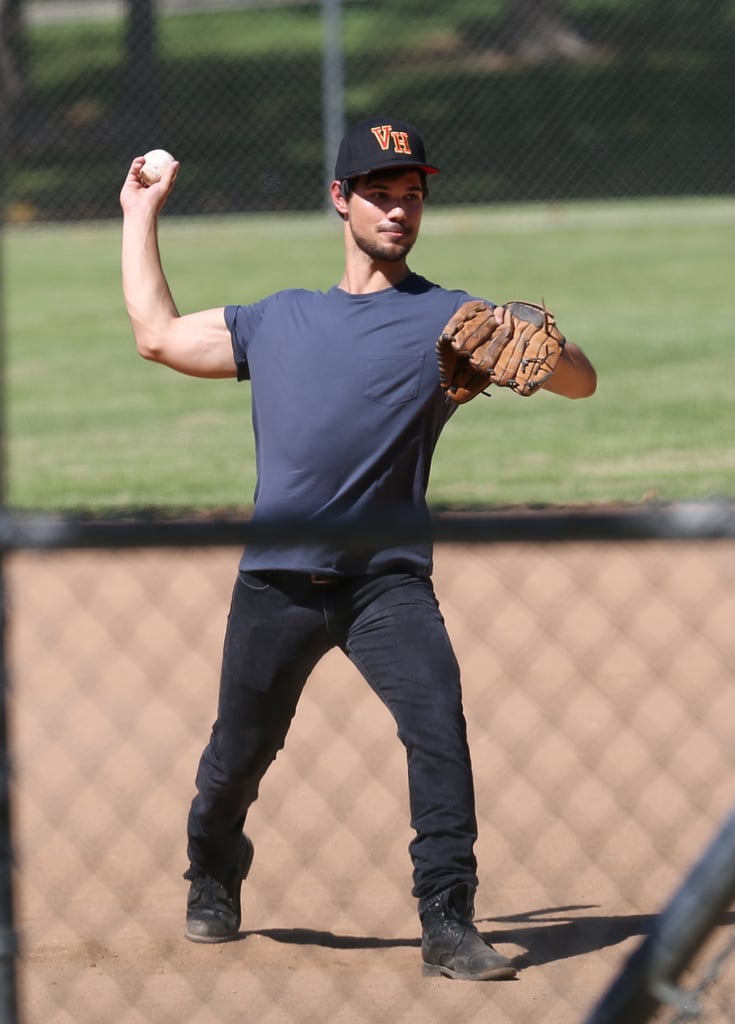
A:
339, 198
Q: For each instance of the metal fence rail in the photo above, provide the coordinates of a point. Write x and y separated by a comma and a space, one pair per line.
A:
650, 978
687, 520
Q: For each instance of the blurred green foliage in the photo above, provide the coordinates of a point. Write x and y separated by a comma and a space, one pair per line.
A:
237, 95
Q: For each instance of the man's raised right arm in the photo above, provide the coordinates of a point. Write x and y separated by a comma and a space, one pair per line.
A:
197, 344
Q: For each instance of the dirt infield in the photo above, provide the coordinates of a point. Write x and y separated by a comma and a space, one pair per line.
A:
601, 710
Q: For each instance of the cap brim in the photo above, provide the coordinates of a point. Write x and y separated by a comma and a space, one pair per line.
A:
393, 166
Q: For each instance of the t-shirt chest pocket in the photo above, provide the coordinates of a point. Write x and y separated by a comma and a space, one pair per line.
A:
393, 380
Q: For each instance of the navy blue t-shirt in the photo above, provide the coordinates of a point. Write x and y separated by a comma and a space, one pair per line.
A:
347, 410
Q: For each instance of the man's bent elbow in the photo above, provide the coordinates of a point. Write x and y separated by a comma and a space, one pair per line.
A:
575, 376
150, 347
153, 336
587, 386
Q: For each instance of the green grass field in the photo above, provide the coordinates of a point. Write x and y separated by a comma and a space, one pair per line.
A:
644, 287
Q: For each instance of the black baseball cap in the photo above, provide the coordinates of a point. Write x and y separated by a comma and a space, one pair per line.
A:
381, 142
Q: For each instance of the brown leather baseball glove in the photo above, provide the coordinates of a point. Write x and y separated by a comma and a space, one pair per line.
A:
475, 351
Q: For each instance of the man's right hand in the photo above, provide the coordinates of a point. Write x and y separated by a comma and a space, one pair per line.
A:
137, 197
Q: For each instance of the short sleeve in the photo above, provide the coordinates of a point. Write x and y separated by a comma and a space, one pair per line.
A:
242, 322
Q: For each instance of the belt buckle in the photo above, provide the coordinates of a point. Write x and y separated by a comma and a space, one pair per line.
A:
320, 579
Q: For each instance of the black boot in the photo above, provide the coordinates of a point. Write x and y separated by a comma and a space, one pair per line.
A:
213, 908
452, 946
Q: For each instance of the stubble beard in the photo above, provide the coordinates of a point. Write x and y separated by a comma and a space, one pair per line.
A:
382, 251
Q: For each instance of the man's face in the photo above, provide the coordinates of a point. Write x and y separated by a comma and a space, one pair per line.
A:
384, 213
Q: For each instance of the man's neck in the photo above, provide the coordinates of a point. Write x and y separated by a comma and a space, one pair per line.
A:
373, 277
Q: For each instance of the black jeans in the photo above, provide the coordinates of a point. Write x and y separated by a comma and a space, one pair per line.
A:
279, 626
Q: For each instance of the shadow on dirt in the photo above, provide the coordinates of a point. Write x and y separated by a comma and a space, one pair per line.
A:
547, 934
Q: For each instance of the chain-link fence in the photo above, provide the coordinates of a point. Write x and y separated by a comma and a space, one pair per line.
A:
597, 671
519, 99
598, 690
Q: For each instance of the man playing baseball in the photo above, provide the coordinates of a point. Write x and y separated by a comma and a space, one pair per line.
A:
348, 403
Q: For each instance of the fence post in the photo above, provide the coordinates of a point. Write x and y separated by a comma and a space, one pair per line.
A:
141, 44
332, 88
8, 945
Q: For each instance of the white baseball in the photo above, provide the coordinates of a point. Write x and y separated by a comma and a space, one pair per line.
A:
155, 162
